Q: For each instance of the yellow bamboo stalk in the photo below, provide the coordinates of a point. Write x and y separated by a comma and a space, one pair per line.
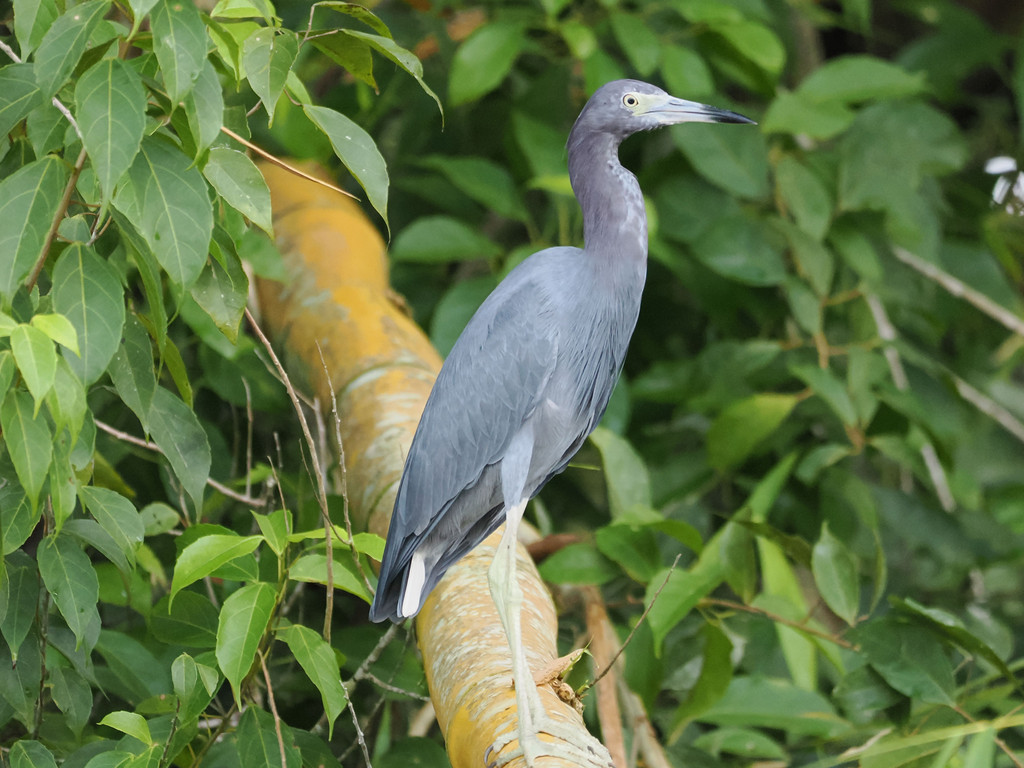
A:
336, 299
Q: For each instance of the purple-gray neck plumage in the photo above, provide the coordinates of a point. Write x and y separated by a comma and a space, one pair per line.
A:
614, 219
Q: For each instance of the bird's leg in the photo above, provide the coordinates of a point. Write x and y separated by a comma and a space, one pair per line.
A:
533, 718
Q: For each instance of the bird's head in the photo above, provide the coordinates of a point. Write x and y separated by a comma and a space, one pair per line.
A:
623, 107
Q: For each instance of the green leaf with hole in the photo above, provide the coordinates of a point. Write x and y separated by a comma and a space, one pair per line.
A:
130, 723
205, 555
64, 43
244, 618
483, 60
19, 95
168, 201
87, 290
267, 58
176, 429
179, 41
357, 152
237, 179
319, 662
29, 199
738, 430
112, 116
28, 440
71, 581
36, 357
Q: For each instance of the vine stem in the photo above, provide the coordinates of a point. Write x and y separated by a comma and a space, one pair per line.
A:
65, 201
800, 627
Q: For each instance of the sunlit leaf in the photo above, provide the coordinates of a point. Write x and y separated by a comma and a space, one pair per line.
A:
244, 618
267, 58
483, 61
203, 556
28, 441
179, 40
64, 43
37, 360
130, 723
318, 661
237, 179
741, 427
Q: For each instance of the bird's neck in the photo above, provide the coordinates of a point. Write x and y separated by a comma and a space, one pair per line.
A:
614, 219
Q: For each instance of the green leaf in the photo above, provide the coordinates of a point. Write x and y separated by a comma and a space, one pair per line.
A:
484, 181
318, 661
28, 440
204, 108
275, 527
194, 685
167, 200
357, 152
32, 18
260, 739
483, 61
728, 156
440, 239
809, 201
685, 72
851, 79
117, 516
203, 556
637, 41
19, 94
87, 290
112, 117
743, 425
633, 547
405, 59
64, 43
71, 581
244, 9
739, 249
756, 42
352, 53
830, 389
835, 572
131, 723
176, 429
29, 199
131, 370
179, 41
26, 753
244, 618
267, 58
909, 657
313, 568
222, 291
189, 620
59, 329
19, 598
797, 115
715, 675
677, 597
237, 179
578, 564
625, 472
37, 360
762, 702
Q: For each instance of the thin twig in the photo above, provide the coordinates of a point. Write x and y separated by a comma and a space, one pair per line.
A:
998, 741
887, 332
961, 290
55, 101
799, 626
629, 637
321, 483
282, 164
273, 708
58, 215
141, 443
989, 407
343, 475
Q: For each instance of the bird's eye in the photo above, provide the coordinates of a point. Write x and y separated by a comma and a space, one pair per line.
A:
630, 100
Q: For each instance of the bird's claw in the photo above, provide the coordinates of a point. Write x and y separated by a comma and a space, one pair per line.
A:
591, 754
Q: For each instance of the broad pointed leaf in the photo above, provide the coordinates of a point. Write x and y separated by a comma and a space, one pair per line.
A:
28, 441
179, 40
243, 620
64, 43
176, 429
71, 581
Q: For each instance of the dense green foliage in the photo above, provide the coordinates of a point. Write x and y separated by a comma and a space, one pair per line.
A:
822, 411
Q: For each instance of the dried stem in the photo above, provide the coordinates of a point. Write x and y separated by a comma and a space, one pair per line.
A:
58, 215
273, 708
799, 626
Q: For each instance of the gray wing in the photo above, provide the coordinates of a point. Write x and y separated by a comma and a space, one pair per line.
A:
490, 384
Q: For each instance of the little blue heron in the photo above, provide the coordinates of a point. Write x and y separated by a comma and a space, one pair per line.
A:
527, 382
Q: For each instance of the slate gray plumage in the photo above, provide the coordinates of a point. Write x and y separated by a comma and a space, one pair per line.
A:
525, 384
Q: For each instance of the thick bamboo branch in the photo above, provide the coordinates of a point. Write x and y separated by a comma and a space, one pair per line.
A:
335, 302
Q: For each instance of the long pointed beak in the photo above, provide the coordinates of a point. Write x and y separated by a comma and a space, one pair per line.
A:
669, 111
